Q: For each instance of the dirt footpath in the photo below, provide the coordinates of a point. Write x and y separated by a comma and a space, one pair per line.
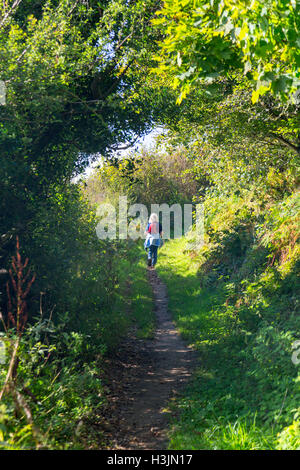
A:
147, 373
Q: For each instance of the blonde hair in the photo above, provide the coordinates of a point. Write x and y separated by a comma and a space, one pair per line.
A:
153, 218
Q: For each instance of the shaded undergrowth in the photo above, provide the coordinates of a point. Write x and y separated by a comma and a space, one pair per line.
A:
60, 369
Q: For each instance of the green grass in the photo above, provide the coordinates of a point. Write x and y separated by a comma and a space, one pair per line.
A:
233, 401
190, 305
239, 435
136, 293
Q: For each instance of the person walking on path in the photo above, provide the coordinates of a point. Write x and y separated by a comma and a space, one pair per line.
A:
153, 239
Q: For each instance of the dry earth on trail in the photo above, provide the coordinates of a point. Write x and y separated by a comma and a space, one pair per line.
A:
144, 376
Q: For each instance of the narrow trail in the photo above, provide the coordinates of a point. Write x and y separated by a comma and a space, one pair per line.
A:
146, 375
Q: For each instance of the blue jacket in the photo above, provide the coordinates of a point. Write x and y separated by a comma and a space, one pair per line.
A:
153, 239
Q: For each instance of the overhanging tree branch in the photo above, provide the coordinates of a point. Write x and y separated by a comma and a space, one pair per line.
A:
125, 147
282, 139
117, 81
9, 12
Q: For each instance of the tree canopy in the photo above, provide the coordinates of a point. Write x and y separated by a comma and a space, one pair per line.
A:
207, 39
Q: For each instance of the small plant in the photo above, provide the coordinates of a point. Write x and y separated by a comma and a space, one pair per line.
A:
17, 306
14, 327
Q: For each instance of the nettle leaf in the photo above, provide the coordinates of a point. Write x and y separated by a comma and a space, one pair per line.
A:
282, 83
266, 79
263, 48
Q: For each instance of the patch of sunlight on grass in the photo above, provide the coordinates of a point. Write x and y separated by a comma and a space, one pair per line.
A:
138, 295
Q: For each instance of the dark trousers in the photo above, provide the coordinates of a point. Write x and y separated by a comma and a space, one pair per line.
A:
152, 254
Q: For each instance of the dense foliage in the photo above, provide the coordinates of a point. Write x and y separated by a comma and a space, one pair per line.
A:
73, 89
234, 298
88, 78
206, 39
241, 312
145, 177
73, 75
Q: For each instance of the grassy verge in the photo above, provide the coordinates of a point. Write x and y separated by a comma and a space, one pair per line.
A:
137, 292
60, 370
245, 392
